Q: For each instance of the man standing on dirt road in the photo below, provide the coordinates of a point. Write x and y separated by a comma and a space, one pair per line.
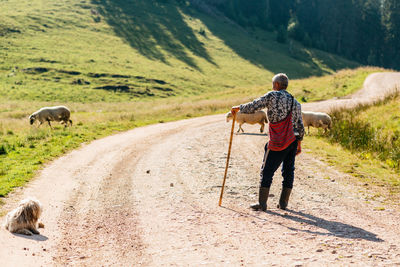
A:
286, 131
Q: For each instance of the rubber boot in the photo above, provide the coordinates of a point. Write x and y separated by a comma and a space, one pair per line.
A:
262, 199
284, 200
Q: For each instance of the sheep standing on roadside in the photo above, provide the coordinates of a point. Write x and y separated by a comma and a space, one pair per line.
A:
58, 113
259, 117
317, 120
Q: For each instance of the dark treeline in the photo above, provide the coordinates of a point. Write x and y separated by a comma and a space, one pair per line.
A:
367, 31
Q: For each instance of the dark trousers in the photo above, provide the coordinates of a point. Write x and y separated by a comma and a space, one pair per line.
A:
272, 160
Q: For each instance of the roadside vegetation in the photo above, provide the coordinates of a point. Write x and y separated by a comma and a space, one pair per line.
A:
376, 179
371, 130
365, 142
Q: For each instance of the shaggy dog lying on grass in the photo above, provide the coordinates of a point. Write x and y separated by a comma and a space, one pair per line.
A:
24, 218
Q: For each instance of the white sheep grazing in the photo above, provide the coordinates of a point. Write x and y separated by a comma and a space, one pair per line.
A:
316, 119
58, 113
259, 117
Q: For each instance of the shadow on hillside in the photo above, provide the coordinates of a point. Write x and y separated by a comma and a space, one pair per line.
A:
261, 49
153, 28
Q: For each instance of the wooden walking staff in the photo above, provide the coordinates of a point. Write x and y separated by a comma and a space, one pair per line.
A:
227, 159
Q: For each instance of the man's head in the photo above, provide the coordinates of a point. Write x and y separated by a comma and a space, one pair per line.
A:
280, 81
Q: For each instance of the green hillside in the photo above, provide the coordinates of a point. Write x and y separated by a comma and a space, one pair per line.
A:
123, 64
90, 51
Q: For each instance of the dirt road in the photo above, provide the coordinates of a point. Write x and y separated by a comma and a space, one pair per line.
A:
149, 197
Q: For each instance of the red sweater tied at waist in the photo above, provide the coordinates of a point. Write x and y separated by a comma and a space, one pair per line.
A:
281, 134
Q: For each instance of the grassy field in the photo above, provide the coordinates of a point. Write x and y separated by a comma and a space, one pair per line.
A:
371, 130
365, 142
380, 181
385, 116
112, 51
123, 64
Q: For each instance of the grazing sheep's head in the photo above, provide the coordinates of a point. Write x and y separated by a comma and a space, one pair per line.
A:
32, 118
229, 116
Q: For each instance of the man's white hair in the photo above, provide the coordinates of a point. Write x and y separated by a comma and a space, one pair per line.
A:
282, 79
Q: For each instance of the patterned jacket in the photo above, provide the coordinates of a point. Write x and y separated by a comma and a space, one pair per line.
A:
278, 104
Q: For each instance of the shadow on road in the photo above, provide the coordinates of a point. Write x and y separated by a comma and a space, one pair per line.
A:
256, 134
33, 237
334, 228
245, 214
